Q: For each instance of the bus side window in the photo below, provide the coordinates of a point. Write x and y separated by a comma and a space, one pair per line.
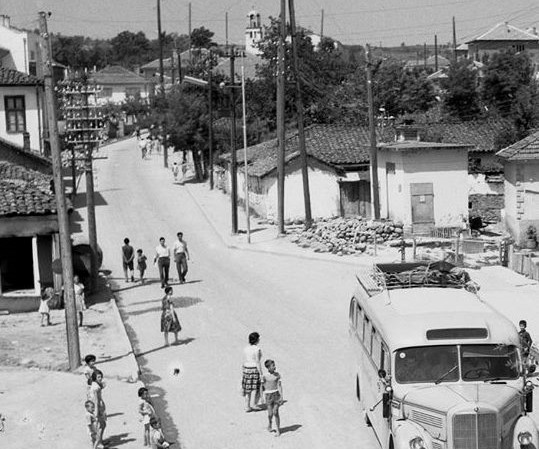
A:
359, 321
385, 362
352, 313
376, 348
366, 329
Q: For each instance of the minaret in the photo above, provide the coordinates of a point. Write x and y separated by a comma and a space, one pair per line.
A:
253, 33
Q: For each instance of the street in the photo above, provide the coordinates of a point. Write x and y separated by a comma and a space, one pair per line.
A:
300, 308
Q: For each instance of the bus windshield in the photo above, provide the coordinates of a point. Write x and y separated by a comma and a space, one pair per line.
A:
436, 364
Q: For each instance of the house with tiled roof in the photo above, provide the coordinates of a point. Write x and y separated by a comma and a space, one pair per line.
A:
21, 109
504, 37
117, 84
28, 228
521, 172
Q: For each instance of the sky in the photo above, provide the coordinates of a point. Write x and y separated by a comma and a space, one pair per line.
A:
379, 22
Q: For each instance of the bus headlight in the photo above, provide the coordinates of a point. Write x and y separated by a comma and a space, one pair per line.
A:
418, 443
525, 438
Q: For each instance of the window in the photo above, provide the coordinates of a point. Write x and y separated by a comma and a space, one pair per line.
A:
366, 327
132, 92
106, 92
15, 114
359, 319
376, 348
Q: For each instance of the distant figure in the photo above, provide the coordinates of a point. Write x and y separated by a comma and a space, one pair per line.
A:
128, 256
273, 391
525, 339
181, 256
80, 303
44, 308
141, 264
252, 371
146, 411
169, 318
137, 132
143, 145
162, 259
175, 171
91, 422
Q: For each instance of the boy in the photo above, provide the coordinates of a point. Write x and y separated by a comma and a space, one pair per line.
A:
157, 439
273, 391
146, 411
128, 255
525, 340
141, 264
89, 368
91, 422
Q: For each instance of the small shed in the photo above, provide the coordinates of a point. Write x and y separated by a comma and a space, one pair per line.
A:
521, 186
423, 184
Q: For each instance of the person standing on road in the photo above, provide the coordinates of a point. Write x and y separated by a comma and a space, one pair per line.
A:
525, 340
80, 304
169, 318
95, 394
143, 144
273, 391
128, 256
252, 371
162, 259
181, 256
141, 264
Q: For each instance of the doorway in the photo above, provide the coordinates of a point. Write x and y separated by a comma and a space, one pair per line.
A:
355, 198
16, 264
422, 195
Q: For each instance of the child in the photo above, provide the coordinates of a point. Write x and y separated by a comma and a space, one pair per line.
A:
157, 439
141, 264
525, 340
44, 309
175, 171
273, 391
89, 368
146, 411
91, 422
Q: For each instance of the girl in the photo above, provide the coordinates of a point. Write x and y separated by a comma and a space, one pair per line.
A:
169, 319
95, 394
44, 309
79, 297
141, 264
252, 372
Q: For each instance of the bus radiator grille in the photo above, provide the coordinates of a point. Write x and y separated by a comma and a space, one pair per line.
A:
475, 431
426, 419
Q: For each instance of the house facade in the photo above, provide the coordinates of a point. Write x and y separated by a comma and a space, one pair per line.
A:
117, 84
21, 109
28, 229
521, 171
424, 185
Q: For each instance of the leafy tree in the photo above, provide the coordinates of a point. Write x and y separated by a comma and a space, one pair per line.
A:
461, 99
202, 38
130, 49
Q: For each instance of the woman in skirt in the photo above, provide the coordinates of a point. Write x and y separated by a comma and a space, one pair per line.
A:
252, 372
169, 319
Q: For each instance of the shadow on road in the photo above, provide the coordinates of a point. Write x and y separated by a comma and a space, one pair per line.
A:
117, 440
181, 302
291, 428
181, 342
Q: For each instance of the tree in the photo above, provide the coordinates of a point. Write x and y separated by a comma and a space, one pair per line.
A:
202, 38
461, 99
130, 49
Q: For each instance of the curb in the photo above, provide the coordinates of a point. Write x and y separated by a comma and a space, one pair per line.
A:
265, 251
134, 370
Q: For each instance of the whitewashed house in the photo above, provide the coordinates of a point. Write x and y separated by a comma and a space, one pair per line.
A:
424, 185
117, 84
521, 161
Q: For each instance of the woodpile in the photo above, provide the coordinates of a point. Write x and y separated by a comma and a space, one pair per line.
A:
347, 235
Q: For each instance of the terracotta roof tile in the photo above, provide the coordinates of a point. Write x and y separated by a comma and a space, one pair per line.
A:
10, 77
505, 32
24, 191
116, 74
523, 150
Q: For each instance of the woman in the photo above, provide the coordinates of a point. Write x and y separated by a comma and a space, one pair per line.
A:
169, 319
252, 372
95, 394
79, 297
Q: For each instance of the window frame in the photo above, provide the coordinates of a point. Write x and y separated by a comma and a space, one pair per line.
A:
19, 128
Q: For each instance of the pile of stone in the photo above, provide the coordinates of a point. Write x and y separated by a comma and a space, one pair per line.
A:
347, 235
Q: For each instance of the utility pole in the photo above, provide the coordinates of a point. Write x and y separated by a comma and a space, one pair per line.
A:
299, 112
372, 133
178, 54
233, 158
162, 85
322, 25
72, 331
425, 55
435, 52
226, 29
210, 113
281, 132
90, 208
190, 31
245, 161
454, 40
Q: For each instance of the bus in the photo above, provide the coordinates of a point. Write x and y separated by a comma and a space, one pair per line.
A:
436, 367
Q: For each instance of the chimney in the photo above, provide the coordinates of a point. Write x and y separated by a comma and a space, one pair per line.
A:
6, 21
406, 133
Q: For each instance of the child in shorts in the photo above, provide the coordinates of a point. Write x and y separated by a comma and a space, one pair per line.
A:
141, 264
273, 392
146, 411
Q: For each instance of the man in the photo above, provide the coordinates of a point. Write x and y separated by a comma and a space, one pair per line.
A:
162, 258
128, 255
143, 143
181, 256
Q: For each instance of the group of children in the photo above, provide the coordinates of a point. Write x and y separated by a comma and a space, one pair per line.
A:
128, 259
96, 416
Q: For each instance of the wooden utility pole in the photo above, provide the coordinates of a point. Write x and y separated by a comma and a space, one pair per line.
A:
90, 208
162, 85
435, 52
322, 25
281, 131
226, 29
299, 113
372, 133
245, 161
454, 40
233, 158
210, 124
190, 31
72, 331
425, 55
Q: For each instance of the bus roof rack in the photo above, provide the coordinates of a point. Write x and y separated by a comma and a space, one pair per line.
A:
390, 276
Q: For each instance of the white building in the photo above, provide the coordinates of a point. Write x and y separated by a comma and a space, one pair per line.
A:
19, 49
117, 84
253, 33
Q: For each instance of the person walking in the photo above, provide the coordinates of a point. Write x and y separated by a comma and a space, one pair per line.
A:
143, 145
251, 371
169, 318
162, 259
128, 256
80, 303
175, 171
141, 264
181, 256
525, 340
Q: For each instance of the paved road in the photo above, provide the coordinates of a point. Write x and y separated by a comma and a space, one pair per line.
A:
300, 308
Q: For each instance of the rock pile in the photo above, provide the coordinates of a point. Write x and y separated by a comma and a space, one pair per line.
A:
347, 235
